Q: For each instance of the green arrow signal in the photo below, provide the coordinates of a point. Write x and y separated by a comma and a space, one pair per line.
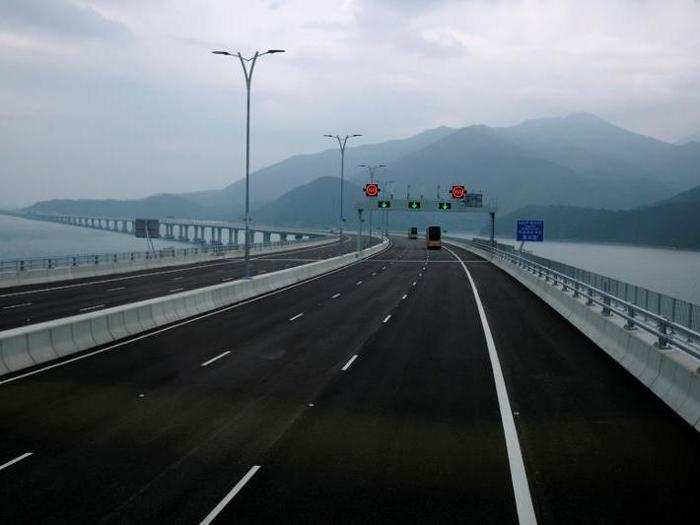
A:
445, 205
384, 204
414, 205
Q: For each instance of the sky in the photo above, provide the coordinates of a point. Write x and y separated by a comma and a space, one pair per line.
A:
123, 98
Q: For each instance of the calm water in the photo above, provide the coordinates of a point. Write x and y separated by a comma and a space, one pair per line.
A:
673, 272
21, 239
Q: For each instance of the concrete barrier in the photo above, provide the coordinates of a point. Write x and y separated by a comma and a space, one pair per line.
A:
39, 343
672, 375
38, 276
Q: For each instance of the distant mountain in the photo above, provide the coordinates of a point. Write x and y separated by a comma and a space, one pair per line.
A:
667, 223
695, 137
155, 206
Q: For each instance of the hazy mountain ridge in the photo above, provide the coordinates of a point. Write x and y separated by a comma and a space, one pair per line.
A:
666, 223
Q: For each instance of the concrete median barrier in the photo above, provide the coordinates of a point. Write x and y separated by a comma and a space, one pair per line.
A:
28, 346
673, 375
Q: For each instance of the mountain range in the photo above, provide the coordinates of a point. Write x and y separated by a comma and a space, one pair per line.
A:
579, 161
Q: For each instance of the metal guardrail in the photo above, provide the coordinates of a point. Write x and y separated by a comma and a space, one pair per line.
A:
668, 330
9, 268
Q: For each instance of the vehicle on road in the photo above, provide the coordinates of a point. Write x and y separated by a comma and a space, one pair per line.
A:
432, 238
413, 232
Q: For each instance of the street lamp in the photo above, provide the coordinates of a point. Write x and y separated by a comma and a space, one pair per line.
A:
248, 74
371, 169
342, 141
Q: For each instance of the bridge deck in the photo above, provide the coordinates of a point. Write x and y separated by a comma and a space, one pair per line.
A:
163, 428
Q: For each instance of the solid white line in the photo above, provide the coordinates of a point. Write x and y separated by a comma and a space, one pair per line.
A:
15, 306
404, 296
13, 461
178, 324
229, 279
176, 290
91, 307
386, 318
347, 365
205, 363
523, 500
116, 289
358, 283
235, 490
336, 296
297, 316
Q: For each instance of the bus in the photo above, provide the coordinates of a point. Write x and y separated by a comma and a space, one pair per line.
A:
413, 233
432, 238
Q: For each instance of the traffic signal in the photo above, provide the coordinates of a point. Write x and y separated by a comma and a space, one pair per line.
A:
444, 205
414, 205
383, 204
371, 189
458, 191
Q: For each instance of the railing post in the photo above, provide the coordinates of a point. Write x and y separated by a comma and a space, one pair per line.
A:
49, 263
97, 259
576, 294
21, 266
629, 325
663, 334
75, 261
606, 299
690, 321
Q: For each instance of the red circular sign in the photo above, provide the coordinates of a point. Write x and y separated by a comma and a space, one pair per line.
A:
458, 192
371, 189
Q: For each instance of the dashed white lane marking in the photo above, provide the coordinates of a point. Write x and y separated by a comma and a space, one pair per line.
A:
383, 267
404, 296
116, 289
176, 279
87, 308
13, 461
386, 318
15, 306
414, 283
358, 283
235, 490
350, 362
176, 290
335, 296
523, 500
297, 316
420, 274
207, 363
375, 273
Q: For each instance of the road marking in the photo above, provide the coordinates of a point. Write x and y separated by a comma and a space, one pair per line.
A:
15, 306
206, 363
176, 290
176, 278
235, 490
178, 324
420, 274
13, 461
404, 296
414, 283
297, 316
116, 289
383, 267
347, 365
87, 308
229, 279
336, 296
375, 273
386, 318
523, 500
358, 283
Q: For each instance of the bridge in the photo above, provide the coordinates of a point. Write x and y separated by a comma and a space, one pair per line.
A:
389, 383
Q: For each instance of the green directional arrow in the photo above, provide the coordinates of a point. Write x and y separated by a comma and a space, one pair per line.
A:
384, 204
414, 205
445, 205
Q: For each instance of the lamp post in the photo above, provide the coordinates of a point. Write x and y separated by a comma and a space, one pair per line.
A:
342, 141
371, 169
248, 74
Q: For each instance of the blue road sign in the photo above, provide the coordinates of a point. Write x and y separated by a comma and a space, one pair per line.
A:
530, 230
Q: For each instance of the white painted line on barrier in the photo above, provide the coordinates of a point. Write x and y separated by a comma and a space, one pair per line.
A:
349, 363
521, 488
88, 308
235, 490
335, 296
15, 306
207, 363
178, 324
386, 318
176, 290
13, 461
297, 316
116, 289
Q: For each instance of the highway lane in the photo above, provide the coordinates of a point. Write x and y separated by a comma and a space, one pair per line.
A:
25, 305
166, 427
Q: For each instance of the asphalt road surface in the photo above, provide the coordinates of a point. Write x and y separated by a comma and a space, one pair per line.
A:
369, 394
20, 306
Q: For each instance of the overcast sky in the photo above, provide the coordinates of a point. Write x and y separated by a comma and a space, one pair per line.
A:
122, 98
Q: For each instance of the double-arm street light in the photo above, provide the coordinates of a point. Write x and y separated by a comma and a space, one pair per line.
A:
248, 65
342, 141
371, 168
